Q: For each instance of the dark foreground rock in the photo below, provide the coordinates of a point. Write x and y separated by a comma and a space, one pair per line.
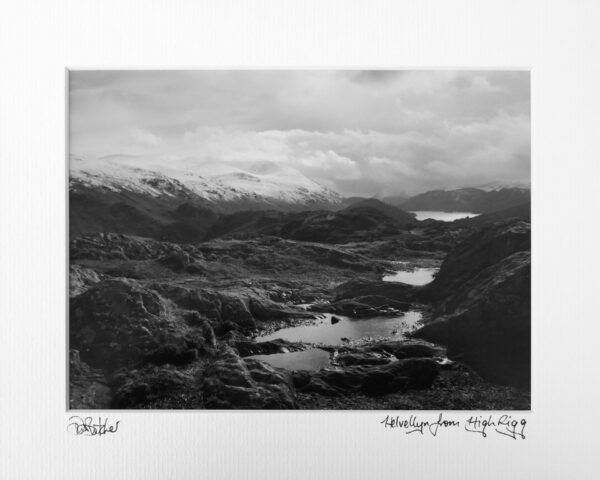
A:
231, 382
153, 387
409, 349
481, 250
118, 323
362, 358
394, 376
483, 304
89, 388
458, 388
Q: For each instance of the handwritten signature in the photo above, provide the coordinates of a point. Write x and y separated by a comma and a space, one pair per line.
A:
503, 424
89, 427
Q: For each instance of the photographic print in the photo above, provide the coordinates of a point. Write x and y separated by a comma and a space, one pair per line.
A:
299, 239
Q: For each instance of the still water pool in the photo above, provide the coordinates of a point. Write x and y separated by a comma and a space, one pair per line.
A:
443, 216
328, 333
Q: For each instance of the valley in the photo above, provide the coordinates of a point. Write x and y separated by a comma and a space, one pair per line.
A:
185, 302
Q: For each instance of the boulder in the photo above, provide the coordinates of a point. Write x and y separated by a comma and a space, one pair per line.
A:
176, 260
235, 309
231, 382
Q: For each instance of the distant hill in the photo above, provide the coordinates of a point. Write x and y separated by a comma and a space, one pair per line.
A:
395, 200
180, 201
348, 201
521, 212
185, 219
491, 186
365, 220
372, 204
472, 200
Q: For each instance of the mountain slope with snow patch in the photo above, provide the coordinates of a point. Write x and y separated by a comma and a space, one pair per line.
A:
216, 182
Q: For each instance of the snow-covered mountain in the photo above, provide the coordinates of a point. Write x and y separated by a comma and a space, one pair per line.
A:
215, 182
495, 186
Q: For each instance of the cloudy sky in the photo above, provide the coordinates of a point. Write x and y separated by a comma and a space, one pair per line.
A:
358, 132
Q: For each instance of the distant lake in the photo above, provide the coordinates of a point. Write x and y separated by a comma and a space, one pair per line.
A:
417, 276
443, 216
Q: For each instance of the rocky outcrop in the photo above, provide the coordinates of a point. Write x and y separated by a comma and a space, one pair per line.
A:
80, 279
364, 287
118, 323
115, 246
246, 348
156, 387
482, 297
229, 310
477, 252
370, 377
205, 301
409, 349
366, 306
361, 358
231, 382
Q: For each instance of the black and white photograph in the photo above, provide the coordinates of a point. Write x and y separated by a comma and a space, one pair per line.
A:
299, 239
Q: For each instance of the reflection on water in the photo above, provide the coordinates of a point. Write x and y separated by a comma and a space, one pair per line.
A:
443, 216
348, 329
418, 276
313, 359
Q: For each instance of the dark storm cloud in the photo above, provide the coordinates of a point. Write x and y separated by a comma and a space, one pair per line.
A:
366, 133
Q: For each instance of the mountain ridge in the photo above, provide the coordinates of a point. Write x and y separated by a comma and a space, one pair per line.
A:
474, 200
212, 181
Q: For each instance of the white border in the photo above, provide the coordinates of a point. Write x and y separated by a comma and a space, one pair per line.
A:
38, 39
